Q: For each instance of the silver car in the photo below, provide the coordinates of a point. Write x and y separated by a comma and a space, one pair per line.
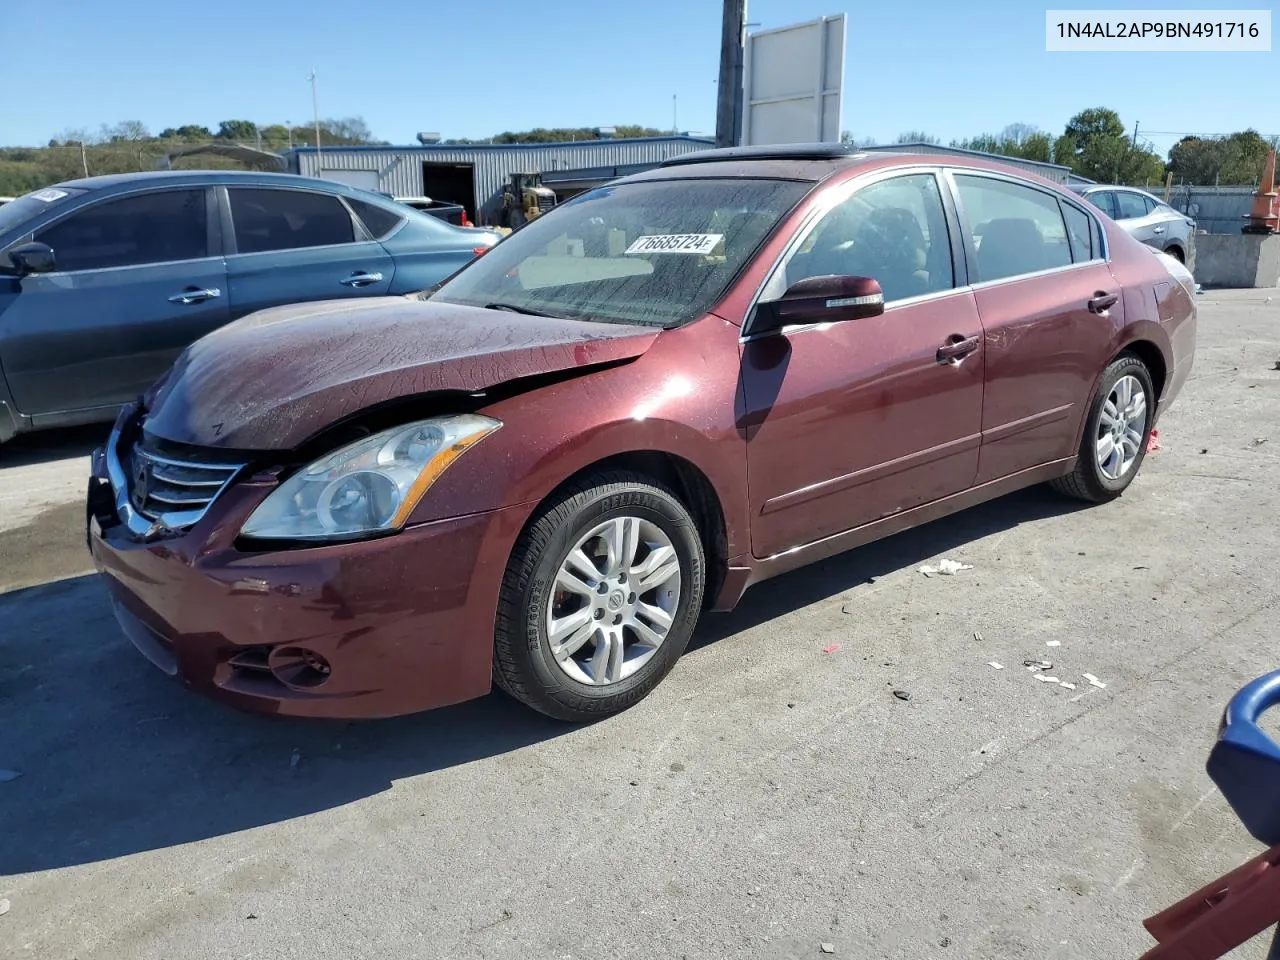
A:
1145, 218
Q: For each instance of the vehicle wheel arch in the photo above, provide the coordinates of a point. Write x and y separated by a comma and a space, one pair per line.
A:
1146, 349
687, 481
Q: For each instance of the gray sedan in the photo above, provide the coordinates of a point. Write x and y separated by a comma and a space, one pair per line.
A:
1145, 218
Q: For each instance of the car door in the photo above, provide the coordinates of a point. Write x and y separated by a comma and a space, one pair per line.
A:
137, 278
1049, 307
293, 245
1134, 214
850, 422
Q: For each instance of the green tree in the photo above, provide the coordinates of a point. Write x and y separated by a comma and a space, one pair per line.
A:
237, 130
1235, 160
188, 131
1094, 145
918, 136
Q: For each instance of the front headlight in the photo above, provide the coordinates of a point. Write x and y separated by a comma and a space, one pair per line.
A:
368, 486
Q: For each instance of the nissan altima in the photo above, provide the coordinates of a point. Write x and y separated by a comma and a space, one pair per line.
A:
543, 471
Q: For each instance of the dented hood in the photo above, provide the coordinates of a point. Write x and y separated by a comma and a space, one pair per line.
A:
276, 378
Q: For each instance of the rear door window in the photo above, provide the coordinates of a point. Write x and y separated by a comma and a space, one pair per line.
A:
158, 227
269, 219
1104, 200
1015, 229
1131, 206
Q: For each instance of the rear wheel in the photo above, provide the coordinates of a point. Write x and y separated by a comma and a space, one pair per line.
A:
1117, 429
600, 598
1177, 254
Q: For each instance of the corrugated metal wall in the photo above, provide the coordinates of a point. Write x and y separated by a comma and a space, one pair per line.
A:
399, 169
1050, 171
1214, 209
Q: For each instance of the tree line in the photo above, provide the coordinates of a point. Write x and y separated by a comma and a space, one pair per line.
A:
1096, 144
130, 146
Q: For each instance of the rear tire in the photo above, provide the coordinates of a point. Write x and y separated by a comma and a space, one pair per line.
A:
1117, 428
1177, 254
616, 565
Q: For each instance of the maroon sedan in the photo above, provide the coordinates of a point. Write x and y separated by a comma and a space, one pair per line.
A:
634, 408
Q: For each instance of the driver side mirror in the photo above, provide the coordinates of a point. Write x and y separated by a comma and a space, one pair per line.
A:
821, 300
33, 257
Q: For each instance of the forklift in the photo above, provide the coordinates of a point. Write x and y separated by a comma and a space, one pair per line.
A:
525, 198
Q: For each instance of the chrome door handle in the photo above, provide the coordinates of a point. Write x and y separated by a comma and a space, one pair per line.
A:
956, 348
1102, 302
1158, 230
362, 279
195, 295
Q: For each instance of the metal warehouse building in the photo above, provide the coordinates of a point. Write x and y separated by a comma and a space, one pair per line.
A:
473, 174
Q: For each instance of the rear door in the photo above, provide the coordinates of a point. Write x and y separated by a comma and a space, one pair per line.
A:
1043, 289
1134, 213
293, 245
138, 278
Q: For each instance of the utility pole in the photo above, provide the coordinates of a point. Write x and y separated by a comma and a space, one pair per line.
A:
315, 112
733, 38
1135, 135
84, 158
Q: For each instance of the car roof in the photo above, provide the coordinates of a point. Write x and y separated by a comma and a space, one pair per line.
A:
113, 181
810, 162
1094, 187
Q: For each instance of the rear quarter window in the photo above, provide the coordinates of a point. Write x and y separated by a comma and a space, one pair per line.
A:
378, 220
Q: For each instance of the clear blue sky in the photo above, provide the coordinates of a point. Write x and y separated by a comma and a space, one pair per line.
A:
477, 68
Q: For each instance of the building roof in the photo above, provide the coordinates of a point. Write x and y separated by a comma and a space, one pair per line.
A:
486, 147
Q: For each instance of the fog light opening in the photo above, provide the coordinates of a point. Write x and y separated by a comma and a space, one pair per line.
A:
299, 667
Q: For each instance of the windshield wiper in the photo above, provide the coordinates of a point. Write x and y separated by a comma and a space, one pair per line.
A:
516, 308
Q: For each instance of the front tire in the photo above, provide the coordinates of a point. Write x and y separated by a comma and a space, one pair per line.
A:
600, 598
1116, 432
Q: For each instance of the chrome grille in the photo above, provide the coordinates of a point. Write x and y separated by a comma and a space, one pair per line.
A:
176, 492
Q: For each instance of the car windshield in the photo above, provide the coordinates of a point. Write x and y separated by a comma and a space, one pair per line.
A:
656, 253
17, 212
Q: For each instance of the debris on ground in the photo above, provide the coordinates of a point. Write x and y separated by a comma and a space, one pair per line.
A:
7, 775
831, 648
945, 567
977, 636
1153, 441
1038, 664
1258, 441
1069, 686
998, 666
4, 907
1053, 643
902, 694
1094, 681
1046, 679
827, 947
1204, 449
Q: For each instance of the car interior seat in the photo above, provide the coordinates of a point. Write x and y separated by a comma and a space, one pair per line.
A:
1010, 246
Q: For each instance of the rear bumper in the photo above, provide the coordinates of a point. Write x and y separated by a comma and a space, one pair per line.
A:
385, 627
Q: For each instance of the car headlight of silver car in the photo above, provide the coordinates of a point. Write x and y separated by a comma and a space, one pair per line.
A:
369, 486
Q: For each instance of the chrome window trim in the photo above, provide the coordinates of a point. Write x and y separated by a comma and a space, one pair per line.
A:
132, 266
889, 308
328, 246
